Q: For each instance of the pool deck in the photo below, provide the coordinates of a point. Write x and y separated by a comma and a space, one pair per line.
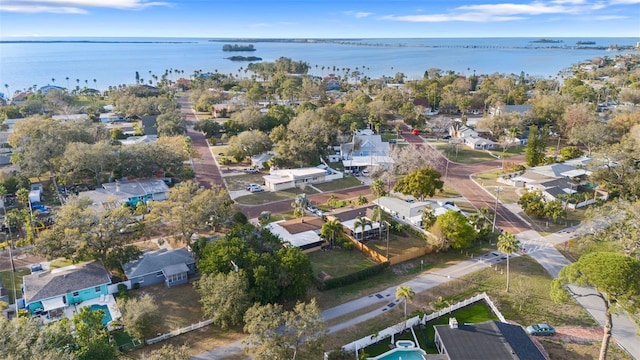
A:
108, 300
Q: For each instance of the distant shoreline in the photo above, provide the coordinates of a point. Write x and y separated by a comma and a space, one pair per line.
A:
91, 42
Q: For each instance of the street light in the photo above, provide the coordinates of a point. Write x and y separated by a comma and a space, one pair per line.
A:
495, 208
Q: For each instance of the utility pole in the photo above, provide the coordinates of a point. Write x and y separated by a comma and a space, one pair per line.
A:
495, 208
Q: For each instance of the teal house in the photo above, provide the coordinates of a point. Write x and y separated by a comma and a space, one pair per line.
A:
50, 293
129, 192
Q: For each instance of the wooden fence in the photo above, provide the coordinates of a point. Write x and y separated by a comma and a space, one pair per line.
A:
368, 251
178, 332
416, 253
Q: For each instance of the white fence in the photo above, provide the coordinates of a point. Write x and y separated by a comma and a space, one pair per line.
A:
388, 332
178, 332
113, 288
391, 331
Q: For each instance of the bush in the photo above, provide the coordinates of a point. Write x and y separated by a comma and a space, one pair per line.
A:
336, 282
570, 152
136, 286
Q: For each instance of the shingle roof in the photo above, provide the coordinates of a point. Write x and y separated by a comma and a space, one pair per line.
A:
57, 282
488, 340
155, 261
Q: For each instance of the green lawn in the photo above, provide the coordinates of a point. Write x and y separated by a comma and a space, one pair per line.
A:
346, 182
338, 262
475, 313
466, 155
6, 281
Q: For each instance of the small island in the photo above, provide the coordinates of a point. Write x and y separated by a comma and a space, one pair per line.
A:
244, 58
546, 41
236, 47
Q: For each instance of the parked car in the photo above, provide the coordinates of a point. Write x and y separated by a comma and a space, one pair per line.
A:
251, 170
248, 187
541, 330
256, 189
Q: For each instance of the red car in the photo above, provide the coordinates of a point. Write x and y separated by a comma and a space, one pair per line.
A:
415, 132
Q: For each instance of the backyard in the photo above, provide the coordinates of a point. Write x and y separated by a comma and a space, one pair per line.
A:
474, 313
339, 262
398, 243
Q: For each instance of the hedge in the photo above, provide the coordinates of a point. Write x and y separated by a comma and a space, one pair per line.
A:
348, 279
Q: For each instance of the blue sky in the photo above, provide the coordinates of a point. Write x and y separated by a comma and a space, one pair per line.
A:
319, 18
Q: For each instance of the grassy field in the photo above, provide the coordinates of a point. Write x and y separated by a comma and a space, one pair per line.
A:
398, 244
465, 155
180, 307
239, 182
6, 281
345, 182
338, 262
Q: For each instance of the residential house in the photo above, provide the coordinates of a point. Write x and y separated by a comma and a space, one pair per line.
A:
282, 179
470, 137
365, 150
49, 88
58, 292
488, 340
144, 139
111, 117
509, 109
129, 192
411, 212
303, 233
172, 267
357, 231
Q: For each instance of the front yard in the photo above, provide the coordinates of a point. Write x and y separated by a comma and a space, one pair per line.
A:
398, 243
339, 262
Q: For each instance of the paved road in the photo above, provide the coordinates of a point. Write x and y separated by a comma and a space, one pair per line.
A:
206, 168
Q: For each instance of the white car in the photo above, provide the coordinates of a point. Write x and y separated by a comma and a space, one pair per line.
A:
256, 188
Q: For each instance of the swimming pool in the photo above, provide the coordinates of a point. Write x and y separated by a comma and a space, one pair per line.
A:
107, 315
404, 354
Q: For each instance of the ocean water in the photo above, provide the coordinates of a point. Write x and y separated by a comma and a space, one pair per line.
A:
25, 64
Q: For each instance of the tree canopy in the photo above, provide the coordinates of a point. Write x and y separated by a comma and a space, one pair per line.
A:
420, 183
615, 278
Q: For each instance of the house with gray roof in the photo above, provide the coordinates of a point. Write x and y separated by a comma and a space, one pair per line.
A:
51, 290
487, 340
129, 192
172, 267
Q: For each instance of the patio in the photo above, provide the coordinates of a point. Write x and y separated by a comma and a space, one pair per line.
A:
68, 311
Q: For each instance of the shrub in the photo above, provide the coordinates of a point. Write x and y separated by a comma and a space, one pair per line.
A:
570, 152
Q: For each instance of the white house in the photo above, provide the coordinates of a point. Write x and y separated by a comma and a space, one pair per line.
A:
470, 137
365, 150
283, 179
302, 233
411, 212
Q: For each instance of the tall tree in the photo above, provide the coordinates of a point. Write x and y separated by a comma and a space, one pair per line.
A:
190, 208
615, 278
224, 297
420, 183
362, 222
277, 334
91, 336
140, 316
331, 230
405, 293
508, 244
452, 229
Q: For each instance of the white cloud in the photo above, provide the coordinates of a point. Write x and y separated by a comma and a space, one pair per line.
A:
511, 11
74, 6
363, 14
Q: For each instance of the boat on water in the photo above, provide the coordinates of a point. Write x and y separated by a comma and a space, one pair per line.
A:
546, 41
585, 43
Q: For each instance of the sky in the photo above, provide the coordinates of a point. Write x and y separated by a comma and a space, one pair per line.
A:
319, 18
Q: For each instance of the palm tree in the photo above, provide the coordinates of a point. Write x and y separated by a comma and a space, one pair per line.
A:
508, 244
378, 215
363, 223
331, 230
406, 293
